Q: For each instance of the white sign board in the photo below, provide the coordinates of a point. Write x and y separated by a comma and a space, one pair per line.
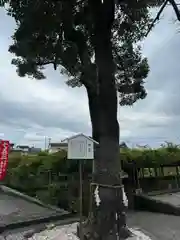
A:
80, 147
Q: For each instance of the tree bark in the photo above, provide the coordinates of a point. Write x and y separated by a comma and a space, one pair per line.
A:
108, 217
93, 111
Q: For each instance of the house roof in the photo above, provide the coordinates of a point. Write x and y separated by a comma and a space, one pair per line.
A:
78, 135
22, 146
17, 150
58, 144
123, 145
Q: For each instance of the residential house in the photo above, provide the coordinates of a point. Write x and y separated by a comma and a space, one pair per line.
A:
23, 149
56, 147
26, 150
123, 145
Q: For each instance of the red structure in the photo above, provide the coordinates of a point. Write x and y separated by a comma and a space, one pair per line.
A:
4, 153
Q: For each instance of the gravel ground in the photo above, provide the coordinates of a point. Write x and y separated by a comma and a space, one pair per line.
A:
156, 226
67, 232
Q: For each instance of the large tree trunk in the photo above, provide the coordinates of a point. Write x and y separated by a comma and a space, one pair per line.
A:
108, 217
104, 217
93, 111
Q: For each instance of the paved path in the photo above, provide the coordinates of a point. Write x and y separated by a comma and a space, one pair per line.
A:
158, 226
13, 209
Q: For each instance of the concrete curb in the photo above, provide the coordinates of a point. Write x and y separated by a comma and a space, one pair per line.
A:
146, 203
163, 192
14, 192
36, 221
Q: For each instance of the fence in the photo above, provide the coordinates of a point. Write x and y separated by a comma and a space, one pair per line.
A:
153, 178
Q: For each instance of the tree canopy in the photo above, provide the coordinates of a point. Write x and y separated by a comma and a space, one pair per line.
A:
60, 33
95, 43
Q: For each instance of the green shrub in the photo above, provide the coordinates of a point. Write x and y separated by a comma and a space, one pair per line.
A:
55, 179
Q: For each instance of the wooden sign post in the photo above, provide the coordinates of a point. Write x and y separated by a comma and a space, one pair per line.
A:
80, 200
80, 147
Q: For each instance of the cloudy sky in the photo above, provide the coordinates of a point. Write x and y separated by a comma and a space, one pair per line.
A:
30, 109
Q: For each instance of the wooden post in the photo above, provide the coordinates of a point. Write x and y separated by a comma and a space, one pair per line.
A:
80, 200
177, 177
93, 167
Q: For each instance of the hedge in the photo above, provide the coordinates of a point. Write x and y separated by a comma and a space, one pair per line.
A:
54, 179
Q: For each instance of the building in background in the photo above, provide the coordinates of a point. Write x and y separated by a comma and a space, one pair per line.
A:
18, 150
25, 150
56, 147
123, 145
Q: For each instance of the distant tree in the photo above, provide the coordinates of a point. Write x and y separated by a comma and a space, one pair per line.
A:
95, 43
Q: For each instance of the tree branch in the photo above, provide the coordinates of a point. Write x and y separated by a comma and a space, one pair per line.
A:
44, 63
176, 10
157, 17
78, 38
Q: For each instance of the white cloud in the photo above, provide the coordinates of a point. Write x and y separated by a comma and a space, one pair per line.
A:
33, 109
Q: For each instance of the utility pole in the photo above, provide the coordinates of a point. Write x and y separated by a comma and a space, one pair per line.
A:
45, 142
49, 142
